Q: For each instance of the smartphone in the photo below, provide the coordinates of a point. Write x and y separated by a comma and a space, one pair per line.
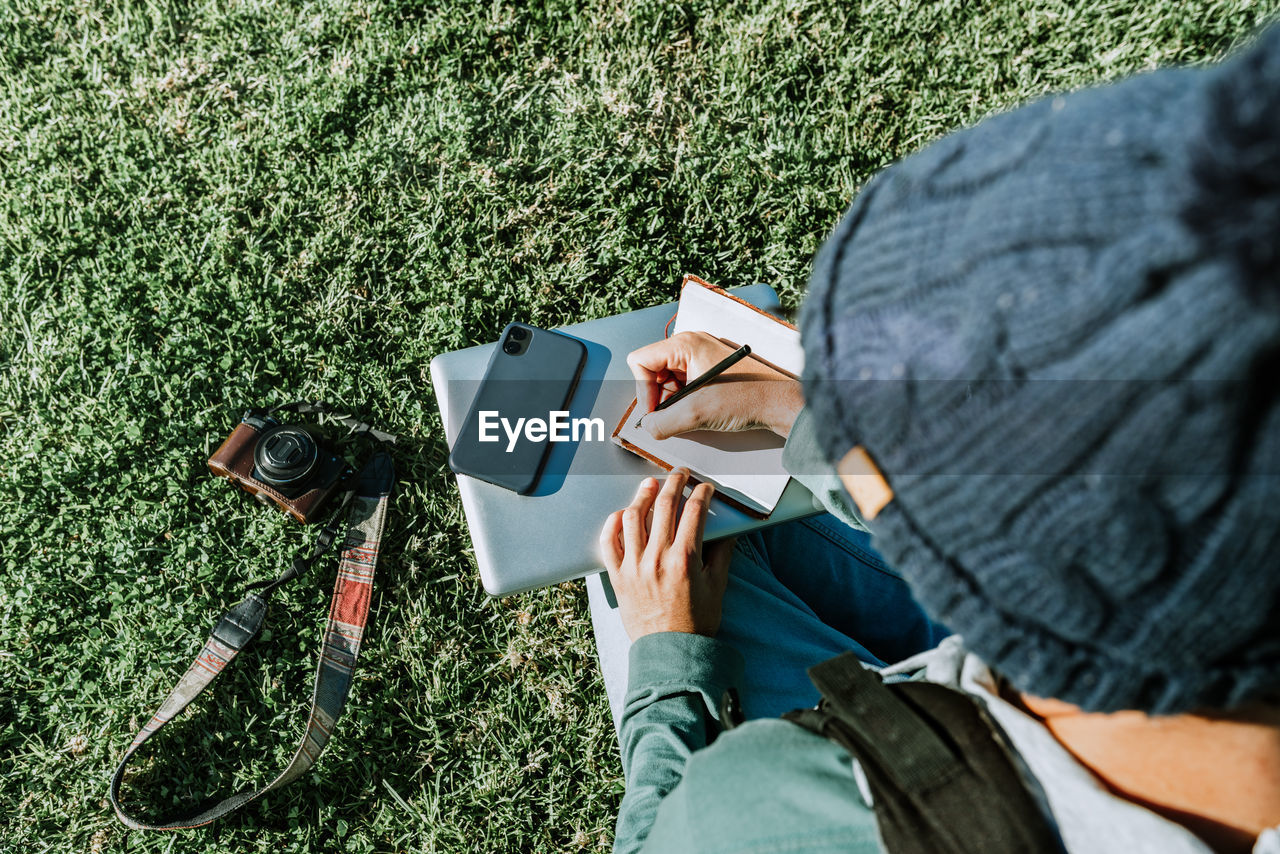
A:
509, 429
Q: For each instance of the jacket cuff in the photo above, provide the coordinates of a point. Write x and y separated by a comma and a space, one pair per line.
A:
804, 460
678, 662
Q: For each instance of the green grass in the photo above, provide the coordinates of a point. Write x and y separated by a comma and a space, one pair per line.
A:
206, 206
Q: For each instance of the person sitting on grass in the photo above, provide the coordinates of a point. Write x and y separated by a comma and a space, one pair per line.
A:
1042, 357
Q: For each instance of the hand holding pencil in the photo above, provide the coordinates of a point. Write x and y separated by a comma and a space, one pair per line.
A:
745, 394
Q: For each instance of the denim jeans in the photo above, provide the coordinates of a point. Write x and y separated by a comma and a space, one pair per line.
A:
799, 593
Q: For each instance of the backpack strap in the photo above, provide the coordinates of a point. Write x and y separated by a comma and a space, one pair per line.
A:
348, 613
941, 779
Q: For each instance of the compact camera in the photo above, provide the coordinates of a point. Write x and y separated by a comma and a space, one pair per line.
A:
290, 465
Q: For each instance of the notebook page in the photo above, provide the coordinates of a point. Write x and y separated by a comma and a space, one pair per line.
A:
747, 466
704, 310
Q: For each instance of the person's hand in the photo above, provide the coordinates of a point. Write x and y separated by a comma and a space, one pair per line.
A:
748, 395
656, 563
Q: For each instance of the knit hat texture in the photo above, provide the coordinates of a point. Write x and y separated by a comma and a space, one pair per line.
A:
1058, 334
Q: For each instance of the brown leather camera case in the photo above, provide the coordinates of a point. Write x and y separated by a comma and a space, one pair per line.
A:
234, 461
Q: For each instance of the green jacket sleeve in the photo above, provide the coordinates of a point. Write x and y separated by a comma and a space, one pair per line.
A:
804, 460
671, 709
672, 706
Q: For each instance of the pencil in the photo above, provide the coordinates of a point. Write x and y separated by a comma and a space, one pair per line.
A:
716, 370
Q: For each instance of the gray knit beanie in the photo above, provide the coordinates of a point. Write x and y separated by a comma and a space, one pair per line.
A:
1058, 335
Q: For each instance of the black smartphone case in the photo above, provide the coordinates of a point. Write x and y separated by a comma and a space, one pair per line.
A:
532, 384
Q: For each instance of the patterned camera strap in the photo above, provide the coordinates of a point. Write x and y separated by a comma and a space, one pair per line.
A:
348, 613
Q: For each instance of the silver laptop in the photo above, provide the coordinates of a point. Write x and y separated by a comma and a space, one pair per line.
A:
552, 535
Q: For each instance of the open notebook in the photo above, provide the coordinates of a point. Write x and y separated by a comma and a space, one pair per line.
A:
745, 467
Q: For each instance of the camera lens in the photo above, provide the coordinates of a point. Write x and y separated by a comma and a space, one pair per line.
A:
518, 334
285, 455
511, 348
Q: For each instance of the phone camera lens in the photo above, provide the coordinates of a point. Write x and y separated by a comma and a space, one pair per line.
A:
518, 334
511, 348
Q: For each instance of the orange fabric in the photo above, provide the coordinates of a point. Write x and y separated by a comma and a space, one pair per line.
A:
1218, 776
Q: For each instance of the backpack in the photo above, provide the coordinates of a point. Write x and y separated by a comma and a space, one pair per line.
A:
942, 777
